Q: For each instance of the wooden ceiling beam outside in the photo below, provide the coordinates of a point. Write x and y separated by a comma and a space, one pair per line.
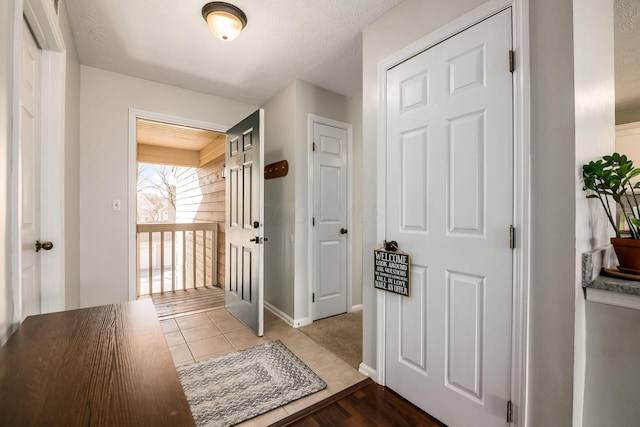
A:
168, 156
213, 150
158, 144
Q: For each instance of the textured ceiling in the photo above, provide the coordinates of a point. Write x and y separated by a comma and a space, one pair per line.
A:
168, 41
627, 53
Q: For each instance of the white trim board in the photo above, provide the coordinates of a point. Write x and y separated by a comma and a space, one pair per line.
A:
132, 164
43, 21
521, 163
281, 314
617, 299
367, 371
312, 118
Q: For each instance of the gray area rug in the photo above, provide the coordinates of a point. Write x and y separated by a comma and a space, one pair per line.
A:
235, 387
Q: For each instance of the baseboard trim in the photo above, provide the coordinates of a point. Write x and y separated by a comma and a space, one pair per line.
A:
355, 308
368, 371
302, 322
296, 323
322, 404
281, 314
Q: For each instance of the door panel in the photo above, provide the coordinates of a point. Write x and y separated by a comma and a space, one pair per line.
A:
29, 178
465, 192
415, 180
329, 279
330, 180
245, 207
413, 336
449, 205
465, 337
234, 192
330, 217
247, 194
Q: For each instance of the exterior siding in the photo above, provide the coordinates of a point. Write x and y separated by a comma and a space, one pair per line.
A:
200, 197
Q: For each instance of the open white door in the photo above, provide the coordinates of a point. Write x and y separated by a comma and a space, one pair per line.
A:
29, 178
244, 223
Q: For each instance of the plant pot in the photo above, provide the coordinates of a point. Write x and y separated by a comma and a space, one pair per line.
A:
628, 253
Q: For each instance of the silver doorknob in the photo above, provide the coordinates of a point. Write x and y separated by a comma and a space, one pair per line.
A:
343, 231
47, 246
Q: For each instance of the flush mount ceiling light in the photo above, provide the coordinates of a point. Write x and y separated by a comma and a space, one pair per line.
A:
224, 20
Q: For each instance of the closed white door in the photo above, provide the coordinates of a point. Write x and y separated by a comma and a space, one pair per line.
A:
29, 177
449, 205
330, 231
244, 224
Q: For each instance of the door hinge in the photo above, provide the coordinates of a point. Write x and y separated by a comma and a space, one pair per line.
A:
509, 411
313, 221
313, 146
512, 237
313, 297
512, 60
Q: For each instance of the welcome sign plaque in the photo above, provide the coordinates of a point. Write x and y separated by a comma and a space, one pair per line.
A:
392, 271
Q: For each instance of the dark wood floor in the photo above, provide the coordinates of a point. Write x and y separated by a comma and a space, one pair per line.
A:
190, 300
365, 404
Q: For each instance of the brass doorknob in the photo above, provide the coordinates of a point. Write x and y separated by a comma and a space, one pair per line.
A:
47, 246
343, 231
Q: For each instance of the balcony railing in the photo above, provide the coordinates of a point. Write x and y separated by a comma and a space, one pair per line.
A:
176, 256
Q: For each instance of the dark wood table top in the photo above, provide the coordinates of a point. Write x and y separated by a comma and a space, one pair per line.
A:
102, 366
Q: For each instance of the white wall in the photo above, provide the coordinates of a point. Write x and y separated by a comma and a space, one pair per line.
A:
613, 377
71, 138
279, 195
553, 187
71, 167
6, 129
628, 141
553, 214
286, 203
594, 136
607, 345
104, 104
321, 102
355, 118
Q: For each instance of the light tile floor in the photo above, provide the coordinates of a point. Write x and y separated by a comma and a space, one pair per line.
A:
214, 333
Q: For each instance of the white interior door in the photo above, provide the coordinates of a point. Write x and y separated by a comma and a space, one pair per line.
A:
449, 205
29, 177
244, 224
330, 231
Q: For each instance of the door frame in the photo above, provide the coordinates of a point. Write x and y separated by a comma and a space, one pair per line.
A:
521, 183
132, 166
312, 119
43, 21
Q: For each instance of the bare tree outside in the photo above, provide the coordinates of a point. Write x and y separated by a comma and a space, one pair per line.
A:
156, 193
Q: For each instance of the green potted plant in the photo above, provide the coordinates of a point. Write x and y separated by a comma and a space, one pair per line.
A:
608, 179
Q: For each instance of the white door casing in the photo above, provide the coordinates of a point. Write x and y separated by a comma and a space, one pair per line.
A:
244, 223
449, 204
132, 155
29, 178
330, 222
